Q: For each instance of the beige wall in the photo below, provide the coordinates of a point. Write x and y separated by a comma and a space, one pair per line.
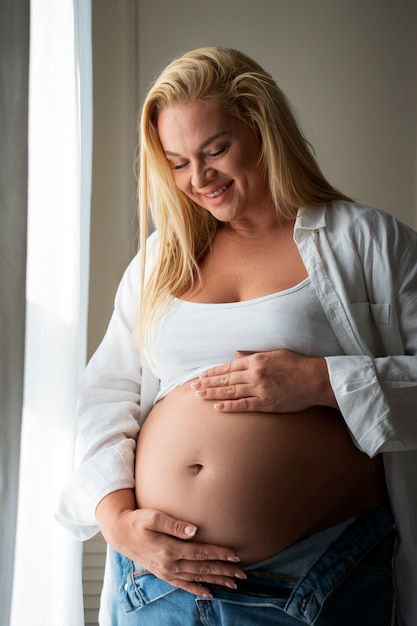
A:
113, 221
348, 66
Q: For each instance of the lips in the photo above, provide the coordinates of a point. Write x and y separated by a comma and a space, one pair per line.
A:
219, 191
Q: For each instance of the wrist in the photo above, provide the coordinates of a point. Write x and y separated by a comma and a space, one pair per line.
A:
111, 510
322, 390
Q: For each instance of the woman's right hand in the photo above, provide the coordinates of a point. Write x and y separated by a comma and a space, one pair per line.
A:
161, 544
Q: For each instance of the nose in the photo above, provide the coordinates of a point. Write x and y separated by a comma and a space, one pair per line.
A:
202, 174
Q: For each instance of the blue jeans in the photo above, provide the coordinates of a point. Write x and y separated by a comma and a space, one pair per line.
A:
349, 584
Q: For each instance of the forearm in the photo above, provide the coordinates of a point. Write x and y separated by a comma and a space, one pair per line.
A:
109, 512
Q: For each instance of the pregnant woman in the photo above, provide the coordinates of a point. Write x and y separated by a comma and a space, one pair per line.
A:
259, 362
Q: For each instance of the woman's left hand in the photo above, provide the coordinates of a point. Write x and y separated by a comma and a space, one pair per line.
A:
279, 381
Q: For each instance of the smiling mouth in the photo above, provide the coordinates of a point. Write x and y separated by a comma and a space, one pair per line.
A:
219, 192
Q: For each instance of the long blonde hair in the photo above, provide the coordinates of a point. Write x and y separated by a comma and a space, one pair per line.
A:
243, 90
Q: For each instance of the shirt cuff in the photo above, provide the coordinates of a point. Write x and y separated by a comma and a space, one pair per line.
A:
108, 471
361, 401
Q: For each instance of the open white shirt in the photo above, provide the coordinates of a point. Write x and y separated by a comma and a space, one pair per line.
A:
363, 265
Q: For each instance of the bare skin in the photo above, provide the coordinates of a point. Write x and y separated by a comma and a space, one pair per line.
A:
210, 455
256, 482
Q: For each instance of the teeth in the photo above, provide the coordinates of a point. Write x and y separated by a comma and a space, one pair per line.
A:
218, 192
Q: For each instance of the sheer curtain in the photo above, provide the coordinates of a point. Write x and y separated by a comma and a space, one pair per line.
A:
47, 578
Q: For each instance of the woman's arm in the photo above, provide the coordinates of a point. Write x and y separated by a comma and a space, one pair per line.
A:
108, 414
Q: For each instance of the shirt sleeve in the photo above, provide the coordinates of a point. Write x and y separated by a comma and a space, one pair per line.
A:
108, 414
378, 396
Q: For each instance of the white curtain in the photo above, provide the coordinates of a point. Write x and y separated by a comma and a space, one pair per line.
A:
47, 577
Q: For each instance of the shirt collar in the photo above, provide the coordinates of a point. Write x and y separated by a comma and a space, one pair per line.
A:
312, 218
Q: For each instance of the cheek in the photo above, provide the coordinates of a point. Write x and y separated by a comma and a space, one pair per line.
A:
183, 185
246, 162
179, 181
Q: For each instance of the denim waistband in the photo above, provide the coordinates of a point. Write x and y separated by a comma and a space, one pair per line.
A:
320, 571
296, 559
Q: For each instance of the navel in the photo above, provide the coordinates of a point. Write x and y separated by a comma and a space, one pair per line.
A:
196, 468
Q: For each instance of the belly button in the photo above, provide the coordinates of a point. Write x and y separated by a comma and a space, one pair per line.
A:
196, 468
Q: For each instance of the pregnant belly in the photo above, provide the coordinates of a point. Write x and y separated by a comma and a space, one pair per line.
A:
255, 482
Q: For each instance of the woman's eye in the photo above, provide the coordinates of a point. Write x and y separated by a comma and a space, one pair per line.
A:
218, 152
178, 166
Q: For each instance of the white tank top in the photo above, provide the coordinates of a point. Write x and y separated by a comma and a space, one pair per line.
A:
195, 336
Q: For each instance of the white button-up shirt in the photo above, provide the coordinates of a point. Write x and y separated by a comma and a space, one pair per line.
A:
363, 265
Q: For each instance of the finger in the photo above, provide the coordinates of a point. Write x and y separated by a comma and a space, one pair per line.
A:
219, 370
238, 406
198, 588
194, 588
222, 393
209, 572
217, 572
163, 523
231, 379
205, 555
211, 579
224, 581
226, 368
251, 404
198, 566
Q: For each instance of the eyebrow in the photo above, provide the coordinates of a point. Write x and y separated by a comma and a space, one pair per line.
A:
204, 144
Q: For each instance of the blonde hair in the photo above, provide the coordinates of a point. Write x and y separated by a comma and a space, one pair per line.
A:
245, 91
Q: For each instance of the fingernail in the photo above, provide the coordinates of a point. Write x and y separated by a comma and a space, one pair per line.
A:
241, 575
219, 406
201, 393
190, 530
207, 595
234, 559
231, 585
196, 384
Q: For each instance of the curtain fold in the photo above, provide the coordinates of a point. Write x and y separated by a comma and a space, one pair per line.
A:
47, 589
14, 61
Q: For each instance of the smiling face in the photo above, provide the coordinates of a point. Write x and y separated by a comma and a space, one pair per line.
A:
215, 160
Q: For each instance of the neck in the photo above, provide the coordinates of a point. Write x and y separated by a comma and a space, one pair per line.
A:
257, 229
